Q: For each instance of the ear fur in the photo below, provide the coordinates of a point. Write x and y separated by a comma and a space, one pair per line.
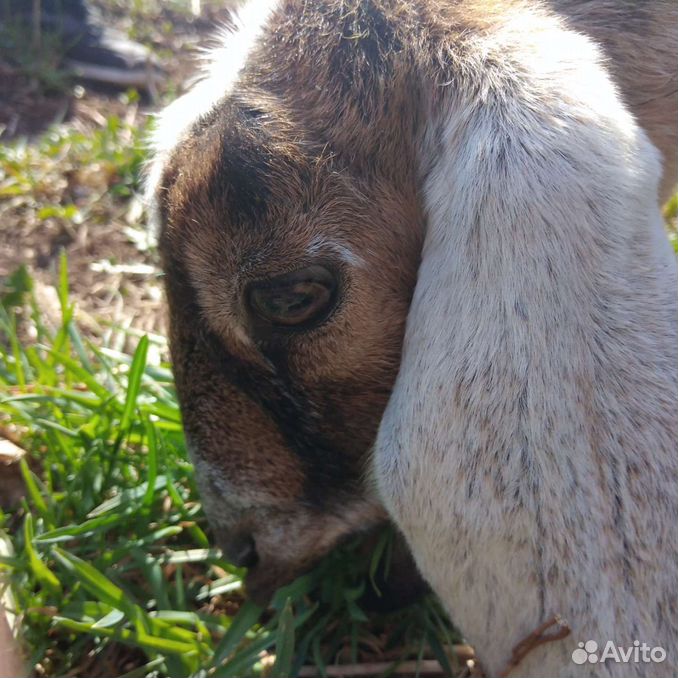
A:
528, 451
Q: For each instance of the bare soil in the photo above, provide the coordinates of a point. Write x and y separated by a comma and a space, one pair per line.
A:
113, 272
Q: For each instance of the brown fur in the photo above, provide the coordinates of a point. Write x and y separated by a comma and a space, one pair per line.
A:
315, 145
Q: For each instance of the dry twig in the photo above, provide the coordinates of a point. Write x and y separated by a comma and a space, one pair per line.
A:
536, 638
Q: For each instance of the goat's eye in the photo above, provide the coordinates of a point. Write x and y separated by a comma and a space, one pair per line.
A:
299, 298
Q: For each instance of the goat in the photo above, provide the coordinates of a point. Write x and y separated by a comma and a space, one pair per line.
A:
416, 268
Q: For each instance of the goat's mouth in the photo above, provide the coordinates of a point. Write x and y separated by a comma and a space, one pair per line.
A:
261, 583
395, 584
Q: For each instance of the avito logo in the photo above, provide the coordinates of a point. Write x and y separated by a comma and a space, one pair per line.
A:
638, 653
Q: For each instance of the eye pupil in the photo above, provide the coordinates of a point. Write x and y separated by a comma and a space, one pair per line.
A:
295, 299
298, 298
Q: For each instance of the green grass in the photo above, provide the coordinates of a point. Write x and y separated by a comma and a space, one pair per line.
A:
105, 162
111, 546
113, 571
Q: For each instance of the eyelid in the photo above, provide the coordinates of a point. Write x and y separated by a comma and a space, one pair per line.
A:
311, 273
320, 275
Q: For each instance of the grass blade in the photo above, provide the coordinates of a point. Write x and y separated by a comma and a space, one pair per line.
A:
140, 639
42, 573
98, 584
246, 618
134, 382
152, 459
126, 497
68, 532
284, 646
33, 491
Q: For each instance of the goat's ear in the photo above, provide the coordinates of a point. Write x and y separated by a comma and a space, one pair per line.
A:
545, 282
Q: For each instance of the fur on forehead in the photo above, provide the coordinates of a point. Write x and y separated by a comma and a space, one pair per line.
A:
216, 78
337, 67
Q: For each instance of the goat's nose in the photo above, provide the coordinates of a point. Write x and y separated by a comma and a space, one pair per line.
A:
241, 550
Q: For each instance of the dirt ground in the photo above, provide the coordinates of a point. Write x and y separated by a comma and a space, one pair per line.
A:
112, 265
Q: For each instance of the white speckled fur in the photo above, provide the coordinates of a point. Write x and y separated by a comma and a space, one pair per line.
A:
528, 451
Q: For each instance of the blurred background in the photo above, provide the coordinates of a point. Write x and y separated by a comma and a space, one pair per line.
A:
75, 93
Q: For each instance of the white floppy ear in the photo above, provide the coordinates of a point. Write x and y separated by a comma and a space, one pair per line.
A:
541, 331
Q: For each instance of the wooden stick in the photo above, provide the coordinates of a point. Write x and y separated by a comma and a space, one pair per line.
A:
429, 667
425, 667
534, 639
